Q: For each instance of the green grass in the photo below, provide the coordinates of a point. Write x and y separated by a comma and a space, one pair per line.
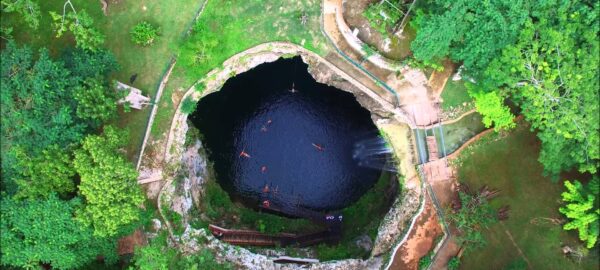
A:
226, 28
172, 16
510, 164
455, 94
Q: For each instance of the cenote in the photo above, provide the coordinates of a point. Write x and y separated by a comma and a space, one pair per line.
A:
273, 133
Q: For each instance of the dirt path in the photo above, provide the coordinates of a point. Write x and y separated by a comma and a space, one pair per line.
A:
438, 79
161, 87
420, 241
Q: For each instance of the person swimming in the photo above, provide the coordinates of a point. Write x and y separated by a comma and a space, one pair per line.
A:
263, 169
266, 188
318, 146
244, 154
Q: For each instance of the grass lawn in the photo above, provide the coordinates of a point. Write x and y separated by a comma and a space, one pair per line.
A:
510, 164
226, 28
172, 16
455, 94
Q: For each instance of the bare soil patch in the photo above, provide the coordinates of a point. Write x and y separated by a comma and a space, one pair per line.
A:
421, 239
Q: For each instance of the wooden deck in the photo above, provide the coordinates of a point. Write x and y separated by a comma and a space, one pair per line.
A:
254, 238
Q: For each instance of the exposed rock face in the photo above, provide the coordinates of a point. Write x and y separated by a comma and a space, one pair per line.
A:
364, 242
396, 222
323, 74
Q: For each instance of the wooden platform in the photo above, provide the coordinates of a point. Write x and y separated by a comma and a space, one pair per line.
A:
254, 238
432, 148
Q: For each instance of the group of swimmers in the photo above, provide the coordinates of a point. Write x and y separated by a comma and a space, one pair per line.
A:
263, 169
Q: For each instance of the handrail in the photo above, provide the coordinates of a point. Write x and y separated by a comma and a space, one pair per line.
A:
357, 65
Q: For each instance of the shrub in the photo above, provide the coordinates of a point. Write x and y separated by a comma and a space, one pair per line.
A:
188, 106
381, 16
144, 33
454, 263
425, 261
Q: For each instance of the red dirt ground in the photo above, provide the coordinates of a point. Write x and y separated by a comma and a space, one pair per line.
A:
420, 240
128, 243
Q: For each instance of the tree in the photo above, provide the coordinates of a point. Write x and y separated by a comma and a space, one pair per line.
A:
85, 64
144, 33
36, 105
40, 175
582, 210
472, 32
549, 73
95, 102
189, 105
81, 26
29, 9
44, 231
493, 110
108, 183
454, 263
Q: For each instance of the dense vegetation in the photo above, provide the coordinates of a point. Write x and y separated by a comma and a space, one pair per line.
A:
582, 210
541, 60
68, 192
68, 188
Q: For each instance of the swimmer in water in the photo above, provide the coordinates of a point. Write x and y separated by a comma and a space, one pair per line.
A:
266, 188
318, 146
263, 169
244, 154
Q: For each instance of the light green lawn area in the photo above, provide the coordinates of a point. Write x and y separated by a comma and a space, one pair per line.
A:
455, 94
172, 16
510, 165
232, 27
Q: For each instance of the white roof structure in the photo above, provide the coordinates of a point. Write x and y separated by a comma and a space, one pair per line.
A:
135, 98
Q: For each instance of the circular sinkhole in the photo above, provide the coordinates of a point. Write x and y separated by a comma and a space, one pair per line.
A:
279, 139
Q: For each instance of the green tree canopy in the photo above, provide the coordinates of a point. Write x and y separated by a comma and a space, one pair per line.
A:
40, 175
551, 75
472, 32
581, 207
29, 9
492, 107
94, 101
108, 183
81, 25
44, 231
38, 106
537, 53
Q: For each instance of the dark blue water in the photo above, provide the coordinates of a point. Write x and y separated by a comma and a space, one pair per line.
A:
280, 132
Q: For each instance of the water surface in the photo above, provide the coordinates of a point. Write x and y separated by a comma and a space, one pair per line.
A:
293, 148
